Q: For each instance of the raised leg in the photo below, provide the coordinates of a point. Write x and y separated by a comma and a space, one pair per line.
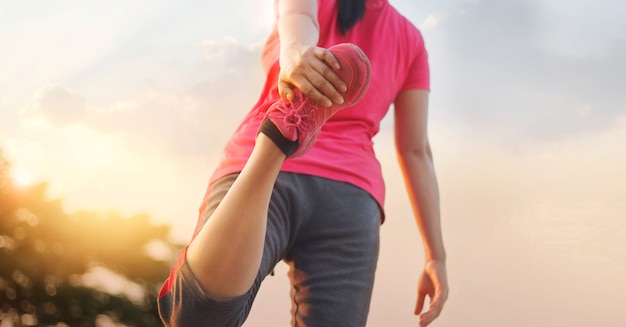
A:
226, 253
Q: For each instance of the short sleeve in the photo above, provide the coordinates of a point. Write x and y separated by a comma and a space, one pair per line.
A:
418, 74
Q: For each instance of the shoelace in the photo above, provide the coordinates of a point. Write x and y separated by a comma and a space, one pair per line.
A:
297, 113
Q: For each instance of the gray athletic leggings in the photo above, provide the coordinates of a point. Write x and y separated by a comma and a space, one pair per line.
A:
328, 234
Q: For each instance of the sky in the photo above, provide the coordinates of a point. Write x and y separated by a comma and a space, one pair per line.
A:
127, 105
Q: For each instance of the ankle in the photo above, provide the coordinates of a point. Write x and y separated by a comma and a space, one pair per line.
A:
273, 134
269, 147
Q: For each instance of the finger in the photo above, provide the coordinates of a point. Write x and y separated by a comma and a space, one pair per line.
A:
328, 57
434, 310
421, 297
309, 90
325, 68
321, 83
427, 317
437, 302
327, 72
425, 320
440, 297
285, 91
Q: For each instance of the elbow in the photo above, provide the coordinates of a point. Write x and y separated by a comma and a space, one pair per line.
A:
415, 152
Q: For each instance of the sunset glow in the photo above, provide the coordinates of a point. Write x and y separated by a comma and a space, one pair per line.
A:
126, 107
22, 177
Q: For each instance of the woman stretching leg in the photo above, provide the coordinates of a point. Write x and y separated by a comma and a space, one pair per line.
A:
279, 195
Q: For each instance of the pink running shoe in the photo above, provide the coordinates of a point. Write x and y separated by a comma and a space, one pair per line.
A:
299, 121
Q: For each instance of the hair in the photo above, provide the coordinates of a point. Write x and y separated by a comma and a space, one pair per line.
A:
349, 12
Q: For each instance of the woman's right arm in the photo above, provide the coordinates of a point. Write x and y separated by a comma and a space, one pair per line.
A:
303, 65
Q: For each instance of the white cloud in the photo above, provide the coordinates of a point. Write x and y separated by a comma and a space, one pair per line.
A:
193, 116
596, 25
492, 72
432, 21
59, 104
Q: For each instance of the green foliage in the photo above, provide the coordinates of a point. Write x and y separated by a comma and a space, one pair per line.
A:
44, 252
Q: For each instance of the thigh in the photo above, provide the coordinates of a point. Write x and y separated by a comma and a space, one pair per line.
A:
182, 301
333, 259
278, 219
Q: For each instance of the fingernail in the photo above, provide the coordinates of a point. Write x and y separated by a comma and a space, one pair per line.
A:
340, 101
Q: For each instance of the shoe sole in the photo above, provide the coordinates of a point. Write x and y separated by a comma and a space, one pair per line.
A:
351, 55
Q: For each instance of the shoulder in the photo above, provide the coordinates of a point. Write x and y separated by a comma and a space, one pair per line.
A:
409, 38
409, 30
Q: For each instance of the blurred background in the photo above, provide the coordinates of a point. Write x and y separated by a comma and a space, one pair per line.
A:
114, 113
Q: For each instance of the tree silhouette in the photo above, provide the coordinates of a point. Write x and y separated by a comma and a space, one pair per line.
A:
46, 252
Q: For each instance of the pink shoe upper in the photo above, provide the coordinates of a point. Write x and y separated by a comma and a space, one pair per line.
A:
301, 119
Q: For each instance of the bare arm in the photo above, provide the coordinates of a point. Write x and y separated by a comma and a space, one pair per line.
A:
304, 65
297, 22
416, 161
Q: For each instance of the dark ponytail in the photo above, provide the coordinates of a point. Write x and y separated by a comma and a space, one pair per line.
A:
349, 12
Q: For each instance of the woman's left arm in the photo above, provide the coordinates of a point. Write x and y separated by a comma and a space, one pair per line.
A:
416, 161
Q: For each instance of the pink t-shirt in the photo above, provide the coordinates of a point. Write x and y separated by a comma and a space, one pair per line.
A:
344, 148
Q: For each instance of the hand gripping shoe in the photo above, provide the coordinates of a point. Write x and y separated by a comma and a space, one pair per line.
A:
294, 125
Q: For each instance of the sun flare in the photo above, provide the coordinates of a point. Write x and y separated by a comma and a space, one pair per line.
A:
22, 177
